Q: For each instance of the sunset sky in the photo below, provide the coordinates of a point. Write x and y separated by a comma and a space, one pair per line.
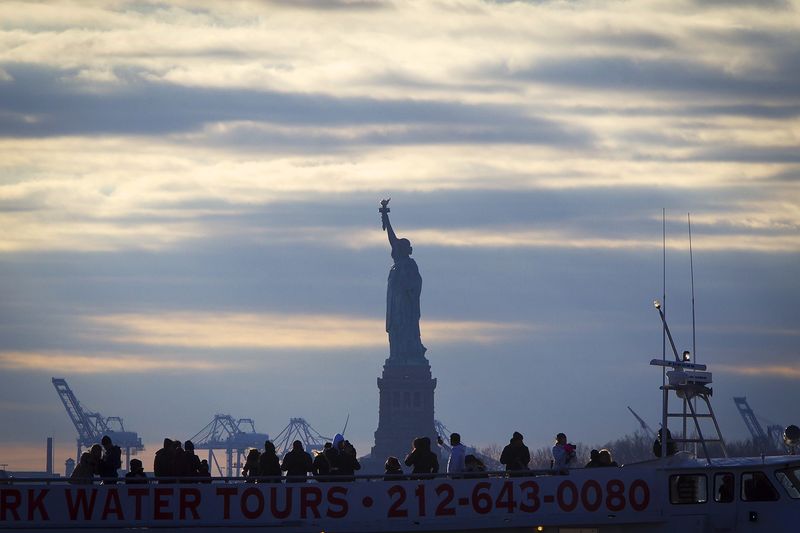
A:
189, 194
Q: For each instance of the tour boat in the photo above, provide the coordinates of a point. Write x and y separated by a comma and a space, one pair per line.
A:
678, 492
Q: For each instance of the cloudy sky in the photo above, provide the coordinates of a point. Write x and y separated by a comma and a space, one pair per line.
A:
189, 193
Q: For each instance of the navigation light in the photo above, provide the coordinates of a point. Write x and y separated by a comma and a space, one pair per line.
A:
687, 356
657, 304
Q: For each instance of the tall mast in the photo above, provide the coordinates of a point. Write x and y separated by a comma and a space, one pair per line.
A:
665, 394
691, 271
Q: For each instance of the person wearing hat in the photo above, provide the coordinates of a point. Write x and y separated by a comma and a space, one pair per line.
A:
392, 469
516, 455
136, 475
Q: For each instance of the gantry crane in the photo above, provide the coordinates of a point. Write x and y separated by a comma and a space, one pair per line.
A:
91, 426
234, 436
299, 429
767, 441
647, 429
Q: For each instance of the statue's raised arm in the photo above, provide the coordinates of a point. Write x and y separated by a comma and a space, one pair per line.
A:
387, 226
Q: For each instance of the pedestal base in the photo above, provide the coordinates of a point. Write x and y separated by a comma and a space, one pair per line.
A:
405, 411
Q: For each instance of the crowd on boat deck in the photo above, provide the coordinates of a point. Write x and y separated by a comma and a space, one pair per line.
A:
337, 460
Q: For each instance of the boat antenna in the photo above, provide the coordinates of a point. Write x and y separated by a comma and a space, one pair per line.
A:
664, 288
345, 423
661, 311
691, 273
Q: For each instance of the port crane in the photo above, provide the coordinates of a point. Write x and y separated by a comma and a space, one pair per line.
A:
92, 426
647, 429
768, 440
299, 429
234, 436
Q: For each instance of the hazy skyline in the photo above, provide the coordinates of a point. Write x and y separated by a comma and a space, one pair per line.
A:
189, 193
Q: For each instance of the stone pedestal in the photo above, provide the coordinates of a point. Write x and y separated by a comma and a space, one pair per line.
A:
405, 411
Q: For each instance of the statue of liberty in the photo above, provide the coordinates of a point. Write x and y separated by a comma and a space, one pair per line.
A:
402, 300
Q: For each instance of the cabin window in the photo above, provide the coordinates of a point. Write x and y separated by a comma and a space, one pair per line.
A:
688, 488
756, 487
789, 478
723, 487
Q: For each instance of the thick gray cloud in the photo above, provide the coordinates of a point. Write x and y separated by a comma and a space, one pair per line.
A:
626, 74
687, 109
63, 107
748, 154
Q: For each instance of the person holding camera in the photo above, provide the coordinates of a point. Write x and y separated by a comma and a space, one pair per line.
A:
563, 454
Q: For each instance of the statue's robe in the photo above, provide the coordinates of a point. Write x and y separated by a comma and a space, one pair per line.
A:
402, 311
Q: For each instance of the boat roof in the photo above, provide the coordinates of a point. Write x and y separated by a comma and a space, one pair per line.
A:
687, 460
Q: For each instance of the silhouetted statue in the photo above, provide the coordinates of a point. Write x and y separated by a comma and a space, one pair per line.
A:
402, 299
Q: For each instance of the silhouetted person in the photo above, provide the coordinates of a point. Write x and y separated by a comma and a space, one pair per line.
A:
563, 454
334, 458
163, 461
136, 475
516, 455
84, 472
392, 469
297, 463
322, 466
332, 453
182, 464
605, 458
348, 462
96, 451
725, 492
458, 452
473, 465
250, 470
672, 449
110, 462
190, 465
421, 459
594, 459
204, 472
177, 457
268, 464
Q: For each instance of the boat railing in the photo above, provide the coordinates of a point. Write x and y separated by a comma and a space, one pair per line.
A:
277, 479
